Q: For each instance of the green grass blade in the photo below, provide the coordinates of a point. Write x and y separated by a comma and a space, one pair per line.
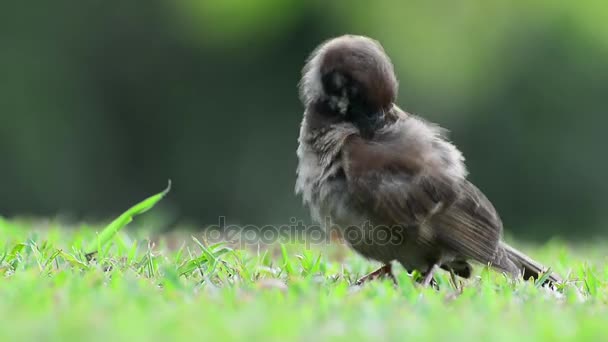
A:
542, 278
73, 261
287, 264
121, 221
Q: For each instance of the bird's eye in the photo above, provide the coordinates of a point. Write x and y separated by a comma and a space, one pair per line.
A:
334, 82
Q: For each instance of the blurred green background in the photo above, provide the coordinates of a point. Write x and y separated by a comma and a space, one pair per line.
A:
102, 101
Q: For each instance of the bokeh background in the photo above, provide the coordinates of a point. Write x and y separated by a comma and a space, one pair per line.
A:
102, 101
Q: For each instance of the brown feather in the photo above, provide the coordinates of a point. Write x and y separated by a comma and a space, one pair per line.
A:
470, 226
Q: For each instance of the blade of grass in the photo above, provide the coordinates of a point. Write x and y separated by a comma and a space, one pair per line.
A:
13, 257
287, 265
542, 278
121, 221
209, 255
73, 261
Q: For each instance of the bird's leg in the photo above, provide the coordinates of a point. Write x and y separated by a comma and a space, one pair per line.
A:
428, 277
386, 270
454, 280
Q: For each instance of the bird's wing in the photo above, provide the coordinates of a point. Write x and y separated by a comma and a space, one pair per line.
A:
470, 226
400, 189
392, 187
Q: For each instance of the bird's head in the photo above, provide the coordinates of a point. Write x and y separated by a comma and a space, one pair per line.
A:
350, 78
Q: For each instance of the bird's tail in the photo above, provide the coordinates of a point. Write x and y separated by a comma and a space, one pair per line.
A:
515, 262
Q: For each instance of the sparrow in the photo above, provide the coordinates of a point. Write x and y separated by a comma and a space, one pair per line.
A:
391, 182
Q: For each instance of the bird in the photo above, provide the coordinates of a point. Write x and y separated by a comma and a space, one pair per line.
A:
389, 181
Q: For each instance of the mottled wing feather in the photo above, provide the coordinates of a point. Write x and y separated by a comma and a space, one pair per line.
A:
470, 226
404, 199
395, 189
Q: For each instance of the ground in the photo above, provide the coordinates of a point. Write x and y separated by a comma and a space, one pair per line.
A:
145, 286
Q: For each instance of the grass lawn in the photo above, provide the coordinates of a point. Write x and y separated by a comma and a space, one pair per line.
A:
177, 287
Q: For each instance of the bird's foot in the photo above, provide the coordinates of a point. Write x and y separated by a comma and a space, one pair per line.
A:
428, 279
457, 284
384, 271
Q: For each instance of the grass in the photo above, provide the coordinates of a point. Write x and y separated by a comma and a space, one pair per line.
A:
135, 286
